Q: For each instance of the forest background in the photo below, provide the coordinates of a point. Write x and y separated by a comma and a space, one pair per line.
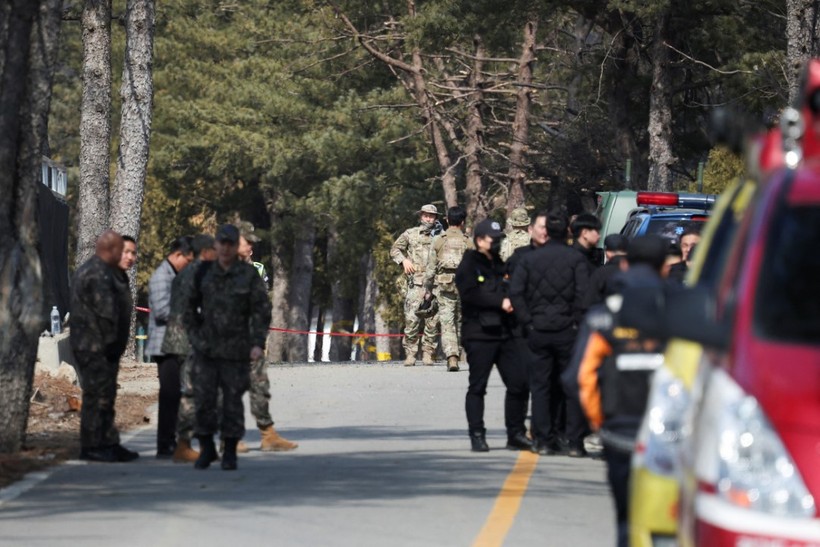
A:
327, 123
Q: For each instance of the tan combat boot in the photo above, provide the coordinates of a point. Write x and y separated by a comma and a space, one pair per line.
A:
183, 453
273, 442
452, 363
427, 359
410, 361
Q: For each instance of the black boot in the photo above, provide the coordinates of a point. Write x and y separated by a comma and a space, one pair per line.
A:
519, 441
207, 452
229, 455
478, 440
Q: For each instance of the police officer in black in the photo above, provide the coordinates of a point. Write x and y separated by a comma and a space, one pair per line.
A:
487, 339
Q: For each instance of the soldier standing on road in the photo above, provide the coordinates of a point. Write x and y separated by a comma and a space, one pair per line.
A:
410, 251
100, 322
179, 256
175, 342
519, 235
260, 383
227, 318
440, 279
488, 340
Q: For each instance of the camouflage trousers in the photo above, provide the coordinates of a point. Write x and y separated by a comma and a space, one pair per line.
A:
415, 326
260, 393
231, 378
259, 396
449, 317
99, 385
186, 418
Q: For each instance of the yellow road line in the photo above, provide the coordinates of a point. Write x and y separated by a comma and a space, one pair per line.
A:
507, 503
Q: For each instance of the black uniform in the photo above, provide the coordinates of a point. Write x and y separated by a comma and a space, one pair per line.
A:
487, 339
547, 292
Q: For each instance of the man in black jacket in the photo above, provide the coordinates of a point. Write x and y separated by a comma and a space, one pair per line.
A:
547, 292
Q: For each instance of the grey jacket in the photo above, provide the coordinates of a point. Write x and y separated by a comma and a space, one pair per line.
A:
159, 300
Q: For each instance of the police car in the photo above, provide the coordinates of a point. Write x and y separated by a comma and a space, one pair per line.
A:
667, 214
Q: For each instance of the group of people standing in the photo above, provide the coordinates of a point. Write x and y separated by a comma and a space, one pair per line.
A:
208, 322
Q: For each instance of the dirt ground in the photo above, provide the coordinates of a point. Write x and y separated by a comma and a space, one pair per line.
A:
53, 432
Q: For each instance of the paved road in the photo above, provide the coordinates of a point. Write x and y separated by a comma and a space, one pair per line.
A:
384, 461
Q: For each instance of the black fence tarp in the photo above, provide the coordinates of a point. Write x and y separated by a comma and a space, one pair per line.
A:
54, 249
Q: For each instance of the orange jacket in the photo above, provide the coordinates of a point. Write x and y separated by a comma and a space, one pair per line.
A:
597, 350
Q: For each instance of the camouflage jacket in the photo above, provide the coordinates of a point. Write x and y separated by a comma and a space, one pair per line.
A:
227, 312
515, 239
175, 341
100, 309
443, 259
414, 244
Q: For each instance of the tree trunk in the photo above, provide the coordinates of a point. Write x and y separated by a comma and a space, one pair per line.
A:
802, 40
301, 281
660, 111
95, 128
368, 295
318, 349
383, 349
137, 93
29, 33
521, 124
279, 287
343, 311
473, 189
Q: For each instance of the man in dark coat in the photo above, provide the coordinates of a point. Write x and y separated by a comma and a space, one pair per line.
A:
547, 291
100, 321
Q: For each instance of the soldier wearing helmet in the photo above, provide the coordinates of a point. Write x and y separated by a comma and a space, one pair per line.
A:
519, 235
410, 251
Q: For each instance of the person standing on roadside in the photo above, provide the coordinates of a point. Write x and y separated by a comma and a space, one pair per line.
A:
175, 342
439, 280
179, 256
129, 253
519, 235
260, 397
586, 233
547, 291
100, 322
487, 339
410, 251
227, 317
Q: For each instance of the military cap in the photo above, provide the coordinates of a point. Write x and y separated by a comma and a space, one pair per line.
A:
246, 231
519, 218
429, 208
488, 227
228, 232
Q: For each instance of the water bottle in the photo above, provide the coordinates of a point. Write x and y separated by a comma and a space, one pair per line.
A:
55, 321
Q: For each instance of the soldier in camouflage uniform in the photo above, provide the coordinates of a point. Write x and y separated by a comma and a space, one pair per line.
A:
260, 383
439, 279
410, 251
100, 323
175, 342
518, 235
226, 317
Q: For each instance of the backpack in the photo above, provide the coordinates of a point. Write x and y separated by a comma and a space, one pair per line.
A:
452, 252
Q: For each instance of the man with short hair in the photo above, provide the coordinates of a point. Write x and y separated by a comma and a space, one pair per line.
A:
260, 397
601, 279
518, 235
439, 279
688, 240
227, 317
100, 321
175, 342
547, 290
586, 232
179, 256
410, 251
129, 253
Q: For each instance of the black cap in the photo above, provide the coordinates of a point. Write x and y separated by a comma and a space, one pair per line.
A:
649, 249
228, 232
616, 243
488, 227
